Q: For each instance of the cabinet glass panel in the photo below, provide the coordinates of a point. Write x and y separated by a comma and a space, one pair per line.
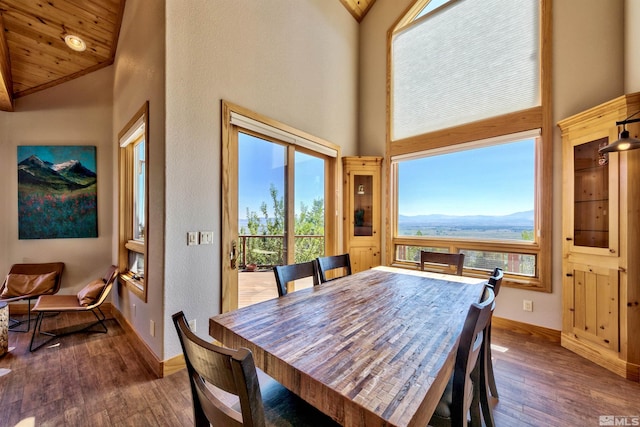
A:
591, 186
363, 205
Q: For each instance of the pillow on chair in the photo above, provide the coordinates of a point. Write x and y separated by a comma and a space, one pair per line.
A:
90, 293
25, 284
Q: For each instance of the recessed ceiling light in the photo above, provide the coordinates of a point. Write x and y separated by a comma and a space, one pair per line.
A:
75, 43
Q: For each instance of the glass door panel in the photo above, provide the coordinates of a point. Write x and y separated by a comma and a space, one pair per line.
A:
263, 223
309, 179
591, 195
261, 216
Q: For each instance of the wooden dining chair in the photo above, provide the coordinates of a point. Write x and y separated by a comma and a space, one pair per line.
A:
463, 392
495, 281
333, 262
287, 273
227, 390
441, 258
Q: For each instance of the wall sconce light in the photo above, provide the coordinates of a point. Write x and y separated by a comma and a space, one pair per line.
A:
361, 189
625, 143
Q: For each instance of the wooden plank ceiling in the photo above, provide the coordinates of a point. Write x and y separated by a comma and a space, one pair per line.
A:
358, 8
33, 53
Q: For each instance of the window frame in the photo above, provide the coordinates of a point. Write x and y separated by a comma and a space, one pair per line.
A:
126, 175
237, 119
539, 117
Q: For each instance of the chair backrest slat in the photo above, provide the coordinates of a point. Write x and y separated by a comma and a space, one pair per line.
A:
455, 260
232, 371
287, 273
469, 349
328, 263
495, 281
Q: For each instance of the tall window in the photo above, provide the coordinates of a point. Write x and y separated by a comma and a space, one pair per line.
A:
279, 204
470, 136
133, 140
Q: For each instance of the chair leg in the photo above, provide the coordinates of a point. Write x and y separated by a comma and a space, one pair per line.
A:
100, 321
36, 330
487, 412
491, 379
474, 410
16, 323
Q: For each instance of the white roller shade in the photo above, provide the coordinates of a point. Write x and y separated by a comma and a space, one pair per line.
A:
273, 132
135, 132
467, 61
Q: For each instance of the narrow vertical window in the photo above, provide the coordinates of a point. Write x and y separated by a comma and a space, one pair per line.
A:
133, 141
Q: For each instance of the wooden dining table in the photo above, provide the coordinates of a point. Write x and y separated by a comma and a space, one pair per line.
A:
372, 349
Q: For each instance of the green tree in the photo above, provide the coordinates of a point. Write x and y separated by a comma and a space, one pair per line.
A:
310, 222
527, 235
269, 250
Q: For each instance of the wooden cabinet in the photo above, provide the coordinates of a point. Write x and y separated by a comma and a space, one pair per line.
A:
362, 211
601, 239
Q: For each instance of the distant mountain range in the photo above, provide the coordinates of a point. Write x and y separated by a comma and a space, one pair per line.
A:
66, 176
517, 219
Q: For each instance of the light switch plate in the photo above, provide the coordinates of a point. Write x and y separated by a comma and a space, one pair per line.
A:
192, 238
206, 237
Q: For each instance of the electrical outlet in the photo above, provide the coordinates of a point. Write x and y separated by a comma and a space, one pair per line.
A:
192, 325
527, 305
152, 328
206, 237
192, 238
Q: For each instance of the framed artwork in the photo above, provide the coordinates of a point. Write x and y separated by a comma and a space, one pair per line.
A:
57, 192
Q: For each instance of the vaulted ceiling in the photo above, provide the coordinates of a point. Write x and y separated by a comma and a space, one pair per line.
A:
33, 53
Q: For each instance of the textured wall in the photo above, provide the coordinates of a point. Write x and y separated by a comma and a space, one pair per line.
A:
139, 77
293, 61
74, 113
632, 47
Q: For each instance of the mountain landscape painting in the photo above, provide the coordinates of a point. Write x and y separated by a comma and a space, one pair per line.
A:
57, 192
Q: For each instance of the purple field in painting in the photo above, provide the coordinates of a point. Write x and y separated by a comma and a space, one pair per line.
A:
49, 216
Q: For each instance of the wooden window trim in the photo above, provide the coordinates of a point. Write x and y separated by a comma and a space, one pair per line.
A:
125, 208
333, 171
533, 118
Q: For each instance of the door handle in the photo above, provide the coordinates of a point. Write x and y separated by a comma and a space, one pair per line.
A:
233, 255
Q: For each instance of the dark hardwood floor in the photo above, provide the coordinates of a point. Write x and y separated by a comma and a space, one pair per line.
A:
98, 380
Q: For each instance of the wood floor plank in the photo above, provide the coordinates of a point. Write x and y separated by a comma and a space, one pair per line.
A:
98, 380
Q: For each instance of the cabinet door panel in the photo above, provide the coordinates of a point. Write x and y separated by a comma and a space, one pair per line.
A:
591, 205
364, 258
593, 298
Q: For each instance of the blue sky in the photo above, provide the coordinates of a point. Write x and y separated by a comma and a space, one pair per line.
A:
494, 180
86, 154
262, 164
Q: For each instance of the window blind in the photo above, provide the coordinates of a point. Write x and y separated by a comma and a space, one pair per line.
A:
265, 129
467, 61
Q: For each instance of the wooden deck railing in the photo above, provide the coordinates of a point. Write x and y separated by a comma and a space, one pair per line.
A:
270, 250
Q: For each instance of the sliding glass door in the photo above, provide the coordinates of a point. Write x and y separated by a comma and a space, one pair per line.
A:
275, 194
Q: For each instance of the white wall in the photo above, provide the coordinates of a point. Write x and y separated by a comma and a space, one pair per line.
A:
587, 70
139, 77
74, 113
293, 61
632, 47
